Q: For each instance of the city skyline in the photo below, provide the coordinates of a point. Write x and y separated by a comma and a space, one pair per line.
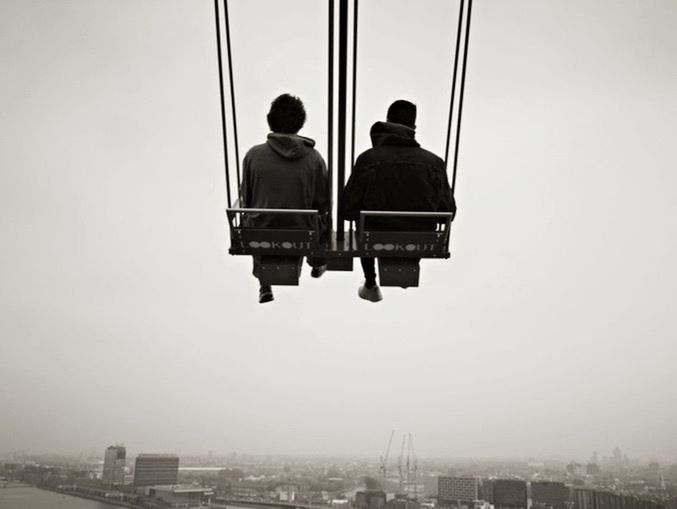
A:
321, 484
549, 333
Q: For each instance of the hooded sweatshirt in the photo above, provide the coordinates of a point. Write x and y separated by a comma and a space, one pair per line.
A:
397, 174
286, 172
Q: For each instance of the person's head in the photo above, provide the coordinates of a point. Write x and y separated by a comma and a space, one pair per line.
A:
402, 112
287, 114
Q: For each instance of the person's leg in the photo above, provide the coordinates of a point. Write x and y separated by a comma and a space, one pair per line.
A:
316, 261
369, 290
265, 291
256, 261
318, 264
369, 269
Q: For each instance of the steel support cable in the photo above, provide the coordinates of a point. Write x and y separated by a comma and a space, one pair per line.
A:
330, 107
232, 99
354, 101
223, 107
461, 94
453, 80
342, 91
354, 93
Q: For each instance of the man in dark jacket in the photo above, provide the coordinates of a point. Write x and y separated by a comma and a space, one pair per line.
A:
396, 174
286, 172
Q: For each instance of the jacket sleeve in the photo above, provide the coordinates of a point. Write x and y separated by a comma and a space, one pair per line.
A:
246, 189
447, 202
321, 197
353, 194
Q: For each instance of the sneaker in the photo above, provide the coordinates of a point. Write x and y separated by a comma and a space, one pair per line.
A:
318, 271
372, 294
265, 294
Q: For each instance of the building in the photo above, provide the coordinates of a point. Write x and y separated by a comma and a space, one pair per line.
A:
451, 490
182, 496
114, 462
509, 493
370, 499
583, 498
594, 499
547, 494
156, 469
402, 502
286, 492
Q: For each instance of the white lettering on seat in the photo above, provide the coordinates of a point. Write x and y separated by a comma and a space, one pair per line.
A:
275, 244
400, 247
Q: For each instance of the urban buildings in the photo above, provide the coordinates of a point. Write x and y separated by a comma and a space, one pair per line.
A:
156, 469
114, 462
182, 496
451, 490
370, 499
508, 493
548, 494
594, 499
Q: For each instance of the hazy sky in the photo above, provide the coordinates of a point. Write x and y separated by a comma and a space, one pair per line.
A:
551, 331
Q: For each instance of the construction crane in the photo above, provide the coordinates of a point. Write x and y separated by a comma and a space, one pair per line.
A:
400, 463
412, 470
384, 461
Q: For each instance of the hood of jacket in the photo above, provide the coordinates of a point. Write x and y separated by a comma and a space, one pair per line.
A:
290, 146
390, 133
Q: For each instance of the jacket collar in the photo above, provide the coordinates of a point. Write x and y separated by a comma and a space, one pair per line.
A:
390, 133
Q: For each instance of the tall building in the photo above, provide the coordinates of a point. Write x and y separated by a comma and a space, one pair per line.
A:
370, 499
114, 466
509, 493
546, 494
452, 489
594, 499
156, 470
618, 455
583, 498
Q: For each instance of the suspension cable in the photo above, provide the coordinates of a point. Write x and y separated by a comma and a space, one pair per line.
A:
232, 100
354, 93
342, 93
330, 108
223, 107
453, 80
460, 98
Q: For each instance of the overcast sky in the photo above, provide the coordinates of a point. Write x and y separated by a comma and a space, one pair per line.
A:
550, 332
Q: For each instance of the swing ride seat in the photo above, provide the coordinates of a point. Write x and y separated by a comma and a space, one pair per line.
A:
273, 241
281, 249
399, 252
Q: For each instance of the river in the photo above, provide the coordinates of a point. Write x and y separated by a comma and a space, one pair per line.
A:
33, 498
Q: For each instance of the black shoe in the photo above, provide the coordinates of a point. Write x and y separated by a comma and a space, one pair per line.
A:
372, 294
265, 294
318, 271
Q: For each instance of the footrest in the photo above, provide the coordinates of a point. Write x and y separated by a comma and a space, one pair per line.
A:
340, 263
402, 272
279, 270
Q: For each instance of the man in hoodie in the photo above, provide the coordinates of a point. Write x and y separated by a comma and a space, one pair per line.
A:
286, 172
396, 174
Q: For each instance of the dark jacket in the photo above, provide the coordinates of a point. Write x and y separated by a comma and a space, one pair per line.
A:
397, 174
286, 172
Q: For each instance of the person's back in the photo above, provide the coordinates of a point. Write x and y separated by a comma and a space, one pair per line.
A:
396, 174
286, 172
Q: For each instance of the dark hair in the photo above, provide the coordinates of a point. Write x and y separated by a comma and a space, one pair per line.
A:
287, 114
402, 112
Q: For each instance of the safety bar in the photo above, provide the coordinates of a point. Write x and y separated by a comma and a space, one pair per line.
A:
243, 210
232, 212
392, 213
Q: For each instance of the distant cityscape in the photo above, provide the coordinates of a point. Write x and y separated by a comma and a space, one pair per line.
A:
405, 482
